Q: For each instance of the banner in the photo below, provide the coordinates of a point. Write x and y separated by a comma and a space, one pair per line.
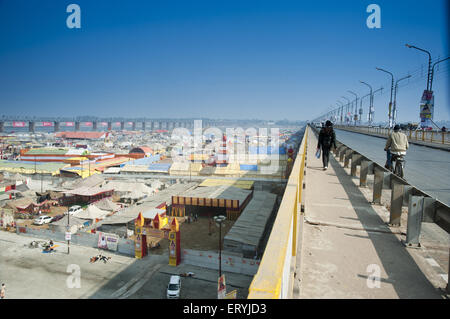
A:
19, 124
87, 123
426, 109
117, 123
221, 287
108, 241
70, 123
103, 124
47, 123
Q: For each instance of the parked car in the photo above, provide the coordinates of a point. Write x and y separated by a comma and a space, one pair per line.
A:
41, 220
75, 210
174, 287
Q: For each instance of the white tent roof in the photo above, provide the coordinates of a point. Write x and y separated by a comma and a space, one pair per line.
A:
92, 212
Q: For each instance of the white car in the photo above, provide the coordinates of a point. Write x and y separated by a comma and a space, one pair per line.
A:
74, 210
41, 220
174, 287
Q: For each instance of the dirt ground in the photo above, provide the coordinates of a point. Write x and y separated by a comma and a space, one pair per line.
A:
54, 210
194, 235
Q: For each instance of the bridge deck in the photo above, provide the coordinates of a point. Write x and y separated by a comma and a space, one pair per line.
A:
346, 239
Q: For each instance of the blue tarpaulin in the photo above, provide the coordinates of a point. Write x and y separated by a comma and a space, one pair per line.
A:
248, 167
266, 150
160, 167
145, 160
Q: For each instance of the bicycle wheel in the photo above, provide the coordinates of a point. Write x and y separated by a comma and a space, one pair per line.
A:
398, 169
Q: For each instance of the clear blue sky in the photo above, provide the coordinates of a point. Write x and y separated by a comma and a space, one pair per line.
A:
216, 59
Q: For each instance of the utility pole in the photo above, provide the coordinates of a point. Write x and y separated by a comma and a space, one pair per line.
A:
392, 91
68, 230
219, 220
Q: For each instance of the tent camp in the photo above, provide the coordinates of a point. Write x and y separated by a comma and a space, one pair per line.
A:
108, 205
92, 212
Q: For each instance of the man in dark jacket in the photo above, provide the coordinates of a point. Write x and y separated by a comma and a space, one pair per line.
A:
327, 138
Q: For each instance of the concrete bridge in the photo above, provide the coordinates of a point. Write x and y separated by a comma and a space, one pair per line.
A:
356, 230
102, 124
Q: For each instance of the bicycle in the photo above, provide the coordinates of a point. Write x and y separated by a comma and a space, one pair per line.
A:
399, 164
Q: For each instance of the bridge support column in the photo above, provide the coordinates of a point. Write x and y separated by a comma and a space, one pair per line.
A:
77, 126
143, 126
31, 126
94, 125
133, 126
122, 126
2, 127
56, 124
109, 126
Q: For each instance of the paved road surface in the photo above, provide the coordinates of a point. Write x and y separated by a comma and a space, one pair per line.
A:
426, 168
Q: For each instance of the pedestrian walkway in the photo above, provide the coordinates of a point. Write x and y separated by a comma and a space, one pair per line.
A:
347, 249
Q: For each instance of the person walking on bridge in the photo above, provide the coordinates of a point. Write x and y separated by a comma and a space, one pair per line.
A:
327, 138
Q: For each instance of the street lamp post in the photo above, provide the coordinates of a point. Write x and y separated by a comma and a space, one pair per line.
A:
429, 62
341, 108
394, 115
356, 104
432, 72
392, 90
219, 220
348, 103
370, 119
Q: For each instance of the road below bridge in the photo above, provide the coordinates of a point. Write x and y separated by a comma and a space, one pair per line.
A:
426, 168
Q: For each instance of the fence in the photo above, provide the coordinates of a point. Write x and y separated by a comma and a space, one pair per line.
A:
274, 278
422, 208
413, 135
125, 246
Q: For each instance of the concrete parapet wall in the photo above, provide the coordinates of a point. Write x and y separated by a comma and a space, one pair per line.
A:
210, 260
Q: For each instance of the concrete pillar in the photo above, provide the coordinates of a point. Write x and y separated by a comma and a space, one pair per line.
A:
56, 126
122, 126
31, 126
77, 126
143, 126
133, 126
94, 125
109, 126
2, 126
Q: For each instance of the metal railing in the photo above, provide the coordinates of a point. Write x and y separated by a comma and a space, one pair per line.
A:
437, 137
422, 208
274, 278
